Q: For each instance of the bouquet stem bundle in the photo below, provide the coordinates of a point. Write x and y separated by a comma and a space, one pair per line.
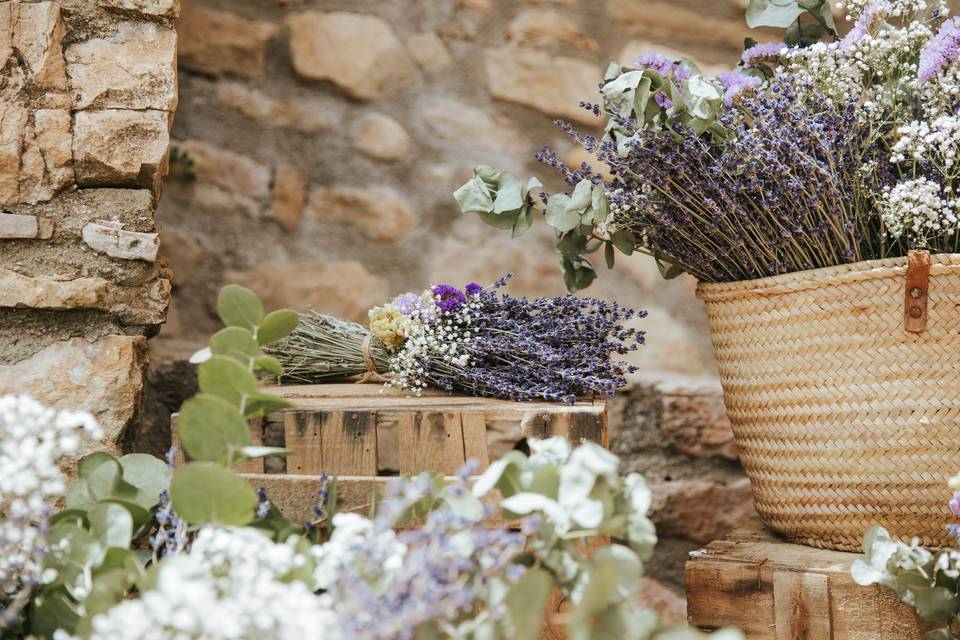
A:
324, 348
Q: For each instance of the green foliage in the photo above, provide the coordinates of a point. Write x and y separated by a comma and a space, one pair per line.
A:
97, 541
499, 198
806, 21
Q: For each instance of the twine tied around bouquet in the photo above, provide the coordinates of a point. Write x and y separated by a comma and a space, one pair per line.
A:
372, 375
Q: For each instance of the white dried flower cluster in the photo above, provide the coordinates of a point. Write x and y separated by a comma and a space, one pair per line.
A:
441, 341
357, 548
937, 141
33, 439
824, 69
898, 8
233, 583
889, 53
919, 209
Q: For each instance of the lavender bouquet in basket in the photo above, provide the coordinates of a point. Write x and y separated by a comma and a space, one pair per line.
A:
476, 340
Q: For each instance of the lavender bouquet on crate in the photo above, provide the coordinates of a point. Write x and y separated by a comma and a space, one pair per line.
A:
476, 340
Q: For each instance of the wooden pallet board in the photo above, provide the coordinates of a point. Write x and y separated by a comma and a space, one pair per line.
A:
775, 590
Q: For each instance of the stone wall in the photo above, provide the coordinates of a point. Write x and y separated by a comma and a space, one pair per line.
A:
87, 96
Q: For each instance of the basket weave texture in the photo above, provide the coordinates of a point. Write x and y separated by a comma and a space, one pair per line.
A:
842, 418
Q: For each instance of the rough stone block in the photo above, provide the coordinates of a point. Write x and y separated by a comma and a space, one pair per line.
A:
105, 377
543, 28
24, 227
119, 147
46, 164
289, 196
112, 239
359, 53
380, 136
213, 41
165, 8
429, 51
135, 68
554, 85
379, 213
307, 114
344, 289
701, 510
13, 122
143, 304
38, 38
226, 182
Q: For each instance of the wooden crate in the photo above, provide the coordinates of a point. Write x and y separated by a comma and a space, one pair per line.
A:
774, 590
364, 433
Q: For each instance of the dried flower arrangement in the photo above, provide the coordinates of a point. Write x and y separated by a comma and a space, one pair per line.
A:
146, 551
809, 154
474, 340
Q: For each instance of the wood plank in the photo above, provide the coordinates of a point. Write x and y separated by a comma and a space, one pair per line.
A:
801, 606
349, 443
431, 441
774, 590
474, 426
301, 434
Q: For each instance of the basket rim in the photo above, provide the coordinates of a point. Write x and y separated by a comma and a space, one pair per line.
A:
821, 277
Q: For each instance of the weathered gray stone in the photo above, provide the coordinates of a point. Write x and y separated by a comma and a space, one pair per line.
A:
38, 32
135, 68
104, 377
359, 53
112, 239
149, 7
145, 304
120, 147
23, 226
429, 51
46, 161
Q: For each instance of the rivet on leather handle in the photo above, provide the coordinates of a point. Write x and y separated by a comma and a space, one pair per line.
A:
916, 293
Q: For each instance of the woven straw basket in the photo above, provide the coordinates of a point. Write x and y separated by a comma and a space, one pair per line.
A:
843, 418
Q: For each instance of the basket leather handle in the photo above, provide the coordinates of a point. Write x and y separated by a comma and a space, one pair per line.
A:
917, 291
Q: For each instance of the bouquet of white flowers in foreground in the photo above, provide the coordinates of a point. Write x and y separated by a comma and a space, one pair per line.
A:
474, 340
243, 572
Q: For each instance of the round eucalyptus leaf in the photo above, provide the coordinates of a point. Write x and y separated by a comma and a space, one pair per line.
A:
234, 342
239, 307
277, 326
226, 378
204, 493
209, 427
111, 525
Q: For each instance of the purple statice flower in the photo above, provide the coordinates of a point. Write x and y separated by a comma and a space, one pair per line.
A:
955, 503
735, 83
663, 100
942, 50
407, 303
873, 15
473, 289
448, 297
763, 52
263, 505
665, 66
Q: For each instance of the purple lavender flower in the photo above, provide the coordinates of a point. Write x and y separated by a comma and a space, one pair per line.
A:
955, 503
448, 297
473, 289
942, 50
875, 13
736, 83
663, 100
553, 349
763, 52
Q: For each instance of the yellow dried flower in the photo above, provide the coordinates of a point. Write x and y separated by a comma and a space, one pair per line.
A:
388, 325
